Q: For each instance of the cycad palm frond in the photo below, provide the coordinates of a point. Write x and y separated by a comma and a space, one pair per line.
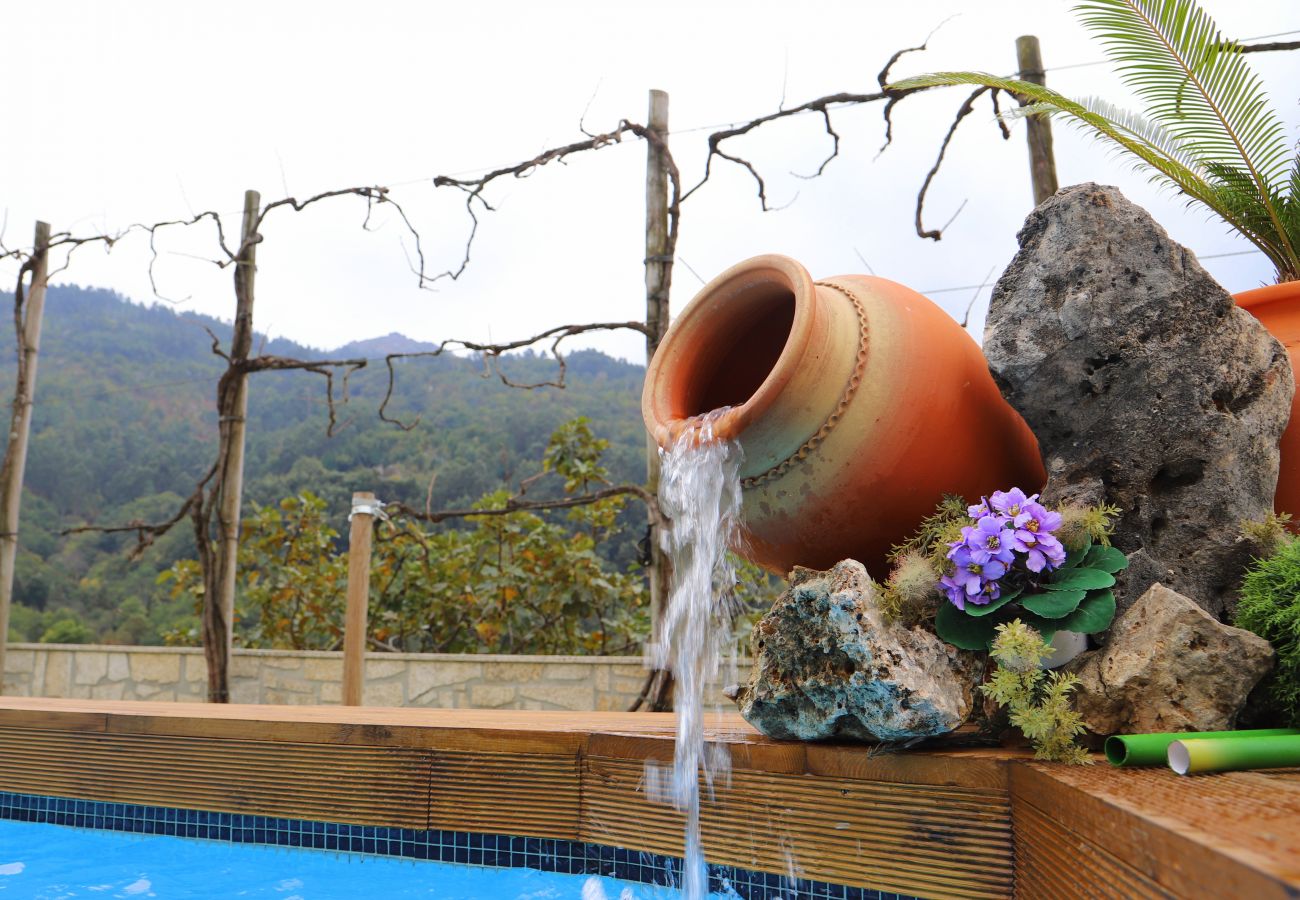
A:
1152, 147
1142, 128
1196, 85
1207, 128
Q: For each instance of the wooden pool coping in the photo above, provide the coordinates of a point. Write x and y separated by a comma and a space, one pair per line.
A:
1007, 825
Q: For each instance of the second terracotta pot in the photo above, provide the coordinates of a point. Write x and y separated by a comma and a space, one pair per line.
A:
858, 404
1278, 309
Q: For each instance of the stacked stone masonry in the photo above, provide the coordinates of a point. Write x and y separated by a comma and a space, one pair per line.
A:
308, 677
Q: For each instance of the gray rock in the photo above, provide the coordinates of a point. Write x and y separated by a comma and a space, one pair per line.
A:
827, 664
1133, 582
1168, 666
1147, 387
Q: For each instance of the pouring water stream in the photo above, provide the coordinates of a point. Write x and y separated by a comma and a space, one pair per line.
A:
700, 492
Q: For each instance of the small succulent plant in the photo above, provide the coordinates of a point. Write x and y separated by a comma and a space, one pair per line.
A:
1038, 701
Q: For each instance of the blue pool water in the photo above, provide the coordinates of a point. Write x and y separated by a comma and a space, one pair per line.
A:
53, 862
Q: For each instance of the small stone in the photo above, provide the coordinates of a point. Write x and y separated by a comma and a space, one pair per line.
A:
425, 676
573, 696
58, 674
1134, 581
828, 664
512, 671
384, 693
492, 696
91, 666
379, 669
1169, 666
118, 667
325, 669
160, 668
1147, 387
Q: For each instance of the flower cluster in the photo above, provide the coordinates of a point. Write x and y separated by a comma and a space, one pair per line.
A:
1011, 532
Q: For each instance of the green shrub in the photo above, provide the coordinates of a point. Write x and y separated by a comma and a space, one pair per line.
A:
1270, 607
67, 628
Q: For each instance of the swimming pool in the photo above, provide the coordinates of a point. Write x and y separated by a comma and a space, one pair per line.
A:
553, 792
54, 862
57, 847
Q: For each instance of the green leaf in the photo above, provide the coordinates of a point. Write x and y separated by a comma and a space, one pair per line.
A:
992, 606
1079, 580
1054, 604
1094, 614
1195, 84
961, 630
1074, 557
1107, 559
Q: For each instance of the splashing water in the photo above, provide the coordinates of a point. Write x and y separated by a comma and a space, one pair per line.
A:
699, 490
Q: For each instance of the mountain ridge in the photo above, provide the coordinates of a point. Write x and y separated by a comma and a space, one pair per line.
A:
124, 426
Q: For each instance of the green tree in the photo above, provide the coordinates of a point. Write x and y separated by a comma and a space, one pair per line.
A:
523, 582
66, 627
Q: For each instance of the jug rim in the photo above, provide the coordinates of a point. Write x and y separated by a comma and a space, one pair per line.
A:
718, 303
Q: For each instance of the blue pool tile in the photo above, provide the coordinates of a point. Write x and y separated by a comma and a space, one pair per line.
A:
497, 850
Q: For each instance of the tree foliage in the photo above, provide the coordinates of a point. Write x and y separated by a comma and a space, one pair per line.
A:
517, 583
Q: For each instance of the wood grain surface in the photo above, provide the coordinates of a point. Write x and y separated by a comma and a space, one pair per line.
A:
936, 823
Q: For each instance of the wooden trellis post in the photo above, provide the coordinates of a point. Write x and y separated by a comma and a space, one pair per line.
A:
364, 509
232, 404
15, 458
658, 263
656, 318
1042, 162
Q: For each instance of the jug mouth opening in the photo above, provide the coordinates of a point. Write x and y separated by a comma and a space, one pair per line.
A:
734, 346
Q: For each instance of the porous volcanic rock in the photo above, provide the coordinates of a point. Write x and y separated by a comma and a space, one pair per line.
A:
1146, 386
1133, 581
1169, 666
828, 664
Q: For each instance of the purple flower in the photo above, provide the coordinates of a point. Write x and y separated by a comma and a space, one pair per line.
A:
1013, 504
1012, 532
970, 576
1033, 536
992, 591
989, 540
956, 593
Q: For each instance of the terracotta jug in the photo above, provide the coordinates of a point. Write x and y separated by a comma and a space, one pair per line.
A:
1278, 309
858, 404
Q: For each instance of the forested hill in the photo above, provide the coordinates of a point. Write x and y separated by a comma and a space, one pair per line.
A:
124, 426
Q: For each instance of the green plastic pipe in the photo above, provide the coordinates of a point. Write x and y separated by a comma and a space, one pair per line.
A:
1153, 749
1234, 754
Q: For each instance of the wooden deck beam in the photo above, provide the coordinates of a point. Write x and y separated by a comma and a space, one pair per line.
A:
952, 823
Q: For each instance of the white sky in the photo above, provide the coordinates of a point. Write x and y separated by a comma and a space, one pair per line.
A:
136, 112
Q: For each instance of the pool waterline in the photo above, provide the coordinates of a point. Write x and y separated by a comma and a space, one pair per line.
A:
42, 860
466, 849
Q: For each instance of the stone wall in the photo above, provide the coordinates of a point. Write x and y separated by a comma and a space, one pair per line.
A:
308, 677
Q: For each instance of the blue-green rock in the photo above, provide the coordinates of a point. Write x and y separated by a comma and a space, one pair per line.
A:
828, 664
